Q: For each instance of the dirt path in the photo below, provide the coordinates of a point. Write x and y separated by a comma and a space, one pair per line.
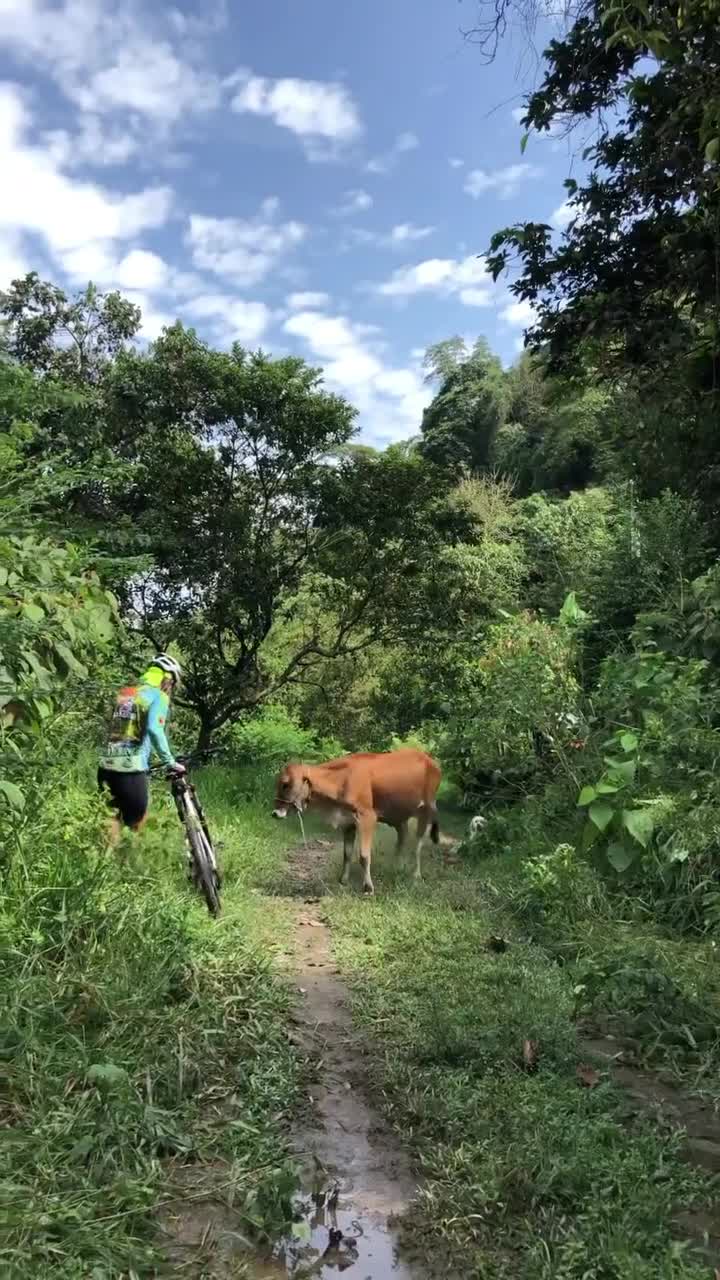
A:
356, 1180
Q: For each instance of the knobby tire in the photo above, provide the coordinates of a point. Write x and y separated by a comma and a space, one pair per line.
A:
206, 877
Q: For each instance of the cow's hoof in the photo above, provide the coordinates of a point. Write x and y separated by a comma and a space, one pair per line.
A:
369, 889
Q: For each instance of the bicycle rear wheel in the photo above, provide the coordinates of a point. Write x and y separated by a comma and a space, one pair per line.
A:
206, 876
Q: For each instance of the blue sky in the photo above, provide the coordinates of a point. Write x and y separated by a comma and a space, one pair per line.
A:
302, 175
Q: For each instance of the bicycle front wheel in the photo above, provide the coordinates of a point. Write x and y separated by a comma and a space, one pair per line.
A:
205, 871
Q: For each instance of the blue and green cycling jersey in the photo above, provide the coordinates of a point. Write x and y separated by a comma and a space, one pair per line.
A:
138, 725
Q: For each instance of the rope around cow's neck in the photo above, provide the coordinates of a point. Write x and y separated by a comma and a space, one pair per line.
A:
302, 826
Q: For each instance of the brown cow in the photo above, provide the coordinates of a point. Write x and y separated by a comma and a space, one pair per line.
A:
356, 792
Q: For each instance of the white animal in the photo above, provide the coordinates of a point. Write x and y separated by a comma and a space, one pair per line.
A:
477, 824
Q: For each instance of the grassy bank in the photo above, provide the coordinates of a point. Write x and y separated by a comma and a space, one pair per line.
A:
528, 1173
134, 1033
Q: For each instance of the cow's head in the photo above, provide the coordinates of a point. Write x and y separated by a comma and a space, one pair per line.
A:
292, 790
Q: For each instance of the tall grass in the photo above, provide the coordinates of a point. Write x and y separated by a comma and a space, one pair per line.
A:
135, 1034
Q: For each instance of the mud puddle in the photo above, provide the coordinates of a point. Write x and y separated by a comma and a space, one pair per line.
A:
331, 1238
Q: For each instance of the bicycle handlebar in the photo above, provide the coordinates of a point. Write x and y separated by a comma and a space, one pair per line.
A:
189, 761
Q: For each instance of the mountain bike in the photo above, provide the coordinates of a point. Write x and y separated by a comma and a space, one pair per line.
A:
203, 870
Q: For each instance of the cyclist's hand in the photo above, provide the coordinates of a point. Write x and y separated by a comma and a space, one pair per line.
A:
178, 770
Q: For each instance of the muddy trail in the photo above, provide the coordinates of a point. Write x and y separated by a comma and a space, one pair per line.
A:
356, 1180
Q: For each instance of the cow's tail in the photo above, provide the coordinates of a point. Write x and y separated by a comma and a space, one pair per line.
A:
435, 832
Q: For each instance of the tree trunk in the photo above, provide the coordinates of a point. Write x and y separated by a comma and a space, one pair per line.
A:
205, 734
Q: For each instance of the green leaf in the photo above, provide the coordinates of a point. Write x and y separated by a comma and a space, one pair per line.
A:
625, 770
601, 813
106, 1073
13, 795
608, 788
640, 823
33, 612
69, 659
712, 151
523, 143
618, 38
620, 856
82, 1148
587, 795
590, 835
571, 611
629, 742
100, 623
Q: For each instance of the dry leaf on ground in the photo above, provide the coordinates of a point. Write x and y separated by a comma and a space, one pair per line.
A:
587, 1076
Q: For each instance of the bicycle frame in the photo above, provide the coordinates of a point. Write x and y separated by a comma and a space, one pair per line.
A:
185, 796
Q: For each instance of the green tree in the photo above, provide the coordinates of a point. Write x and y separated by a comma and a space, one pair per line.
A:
73, 339
630, 292
459, 426
242, 508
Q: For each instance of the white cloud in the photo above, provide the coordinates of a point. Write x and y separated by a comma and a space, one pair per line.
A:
242, 250
399, 236
355, 201
312, 109
235, 319
474, 297
303, 301
518, 113
40, 199
466, 279
455, 162
94, 143
503, 181
110, 58
140, 269
519, 314
154, 318
13, 262
391, 400
564, 214
407, 231
148, 78
387, 161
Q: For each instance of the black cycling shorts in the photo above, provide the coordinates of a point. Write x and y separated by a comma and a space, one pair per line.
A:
129, 794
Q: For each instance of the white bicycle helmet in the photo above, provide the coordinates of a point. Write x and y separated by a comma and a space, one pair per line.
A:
166, 663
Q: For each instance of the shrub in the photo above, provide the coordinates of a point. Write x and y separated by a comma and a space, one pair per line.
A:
515, 697
272, 738
559, 884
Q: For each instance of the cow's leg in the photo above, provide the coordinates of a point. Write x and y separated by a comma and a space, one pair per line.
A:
348, 844
402, 830
367, 822
422, 826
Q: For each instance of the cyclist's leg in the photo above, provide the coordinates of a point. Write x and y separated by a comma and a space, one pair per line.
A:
129, 796
106, 791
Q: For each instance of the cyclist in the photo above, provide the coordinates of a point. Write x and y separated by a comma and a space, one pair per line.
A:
137, 725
